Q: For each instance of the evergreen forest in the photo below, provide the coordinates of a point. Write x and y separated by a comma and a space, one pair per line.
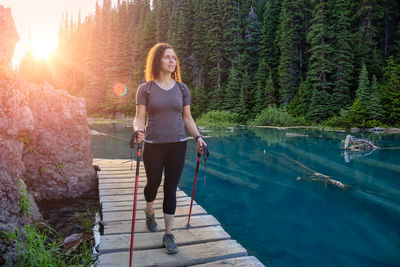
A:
335, 62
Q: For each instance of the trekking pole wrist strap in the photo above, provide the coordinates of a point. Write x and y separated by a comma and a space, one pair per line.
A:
199, 136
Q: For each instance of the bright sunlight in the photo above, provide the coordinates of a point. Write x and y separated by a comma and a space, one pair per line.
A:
43, 46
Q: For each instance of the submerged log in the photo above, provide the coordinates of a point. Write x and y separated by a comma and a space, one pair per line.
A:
316, 176
295, 135
326, 180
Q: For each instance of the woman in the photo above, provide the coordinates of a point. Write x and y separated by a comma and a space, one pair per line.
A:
167, 103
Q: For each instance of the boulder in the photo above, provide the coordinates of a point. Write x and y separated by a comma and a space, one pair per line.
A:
57, 158
8, 36
44, 138
16, 122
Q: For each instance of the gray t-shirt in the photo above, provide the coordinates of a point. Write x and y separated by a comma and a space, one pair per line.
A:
164, 112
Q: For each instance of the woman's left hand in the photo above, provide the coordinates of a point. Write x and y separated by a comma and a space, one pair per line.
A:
200, 143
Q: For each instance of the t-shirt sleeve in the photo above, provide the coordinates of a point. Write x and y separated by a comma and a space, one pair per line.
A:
186, 95
141, 95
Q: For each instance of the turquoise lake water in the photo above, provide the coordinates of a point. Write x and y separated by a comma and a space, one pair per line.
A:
250, 186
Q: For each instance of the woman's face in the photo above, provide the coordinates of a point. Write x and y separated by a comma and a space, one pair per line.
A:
168, 61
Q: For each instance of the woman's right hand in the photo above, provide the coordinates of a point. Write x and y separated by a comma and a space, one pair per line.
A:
140, 136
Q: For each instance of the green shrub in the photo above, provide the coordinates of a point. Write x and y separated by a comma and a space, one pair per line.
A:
24, 201
218, 118
351, 118
301, 120
273, 116
87, 219
43, 247
25, 140
34, 248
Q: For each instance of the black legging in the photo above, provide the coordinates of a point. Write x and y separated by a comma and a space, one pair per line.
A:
155, 158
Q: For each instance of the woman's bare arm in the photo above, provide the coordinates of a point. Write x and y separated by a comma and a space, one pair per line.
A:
191, 127
139, 122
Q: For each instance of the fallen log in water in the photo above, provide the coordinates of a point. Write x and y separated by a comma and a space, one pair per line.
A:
352, 143
319, 177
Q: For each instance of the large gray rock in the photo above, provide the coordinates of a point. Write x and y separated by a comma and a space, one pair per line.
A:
44, 138
8, 36
57, 158
16, 121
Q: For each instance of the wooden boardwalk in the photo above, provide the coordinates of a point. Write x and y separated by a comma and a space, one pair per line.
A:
205, 244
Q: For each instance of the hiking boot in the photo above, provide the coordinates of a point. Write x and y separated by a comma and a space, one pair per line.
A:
169, 244
151, 222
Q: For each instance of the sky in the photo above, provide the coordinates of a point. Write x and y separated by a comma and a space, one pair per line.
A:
43, 17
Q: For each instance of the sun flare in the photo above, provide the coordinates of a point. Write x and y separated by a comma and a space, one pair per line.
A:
43, 47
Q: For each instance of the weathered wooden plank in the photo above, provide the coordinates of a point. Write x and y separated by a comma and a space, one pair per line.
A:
122, 169
124, 227
121, 162
120, 166
151, 240
249, 261
142, 181
187, 255
140, 205
121, 176
130, 184
115, 164
106, 205
109, 161
127, 215
140, 196
125, 191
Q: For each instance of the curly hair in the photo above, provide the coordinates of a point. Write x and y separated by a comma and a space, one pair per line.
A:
153, 61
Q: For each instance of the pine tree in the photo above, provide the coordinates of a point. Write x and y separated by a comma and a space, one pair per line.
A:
252, 42
368, 14
232, 89
242, 108
300, 104
245, 6
94, 65
290, 40
341, 43
161, 9
231, 35
259, 85
214, 48
198, 75
375, 108
252, 54
391, 92
318, 109
364, 90
269, 97
245, 98
396, 49
366, 105
144, 39
268, 44
320, 65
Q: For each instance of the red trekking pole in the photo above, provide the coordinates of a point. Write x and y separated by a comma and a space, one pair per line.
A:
206, 154
194, 186
139, 150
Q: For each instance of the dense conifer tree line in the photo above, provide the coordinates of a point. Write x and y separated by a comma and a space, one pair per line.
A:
314, 58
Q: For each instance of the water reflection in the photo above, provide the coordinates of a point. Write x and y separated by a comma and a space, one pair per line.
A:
250, 186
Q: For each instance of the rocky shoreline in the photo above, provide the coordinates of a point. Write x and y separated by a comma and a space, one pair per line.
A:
45, 145
128, 121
